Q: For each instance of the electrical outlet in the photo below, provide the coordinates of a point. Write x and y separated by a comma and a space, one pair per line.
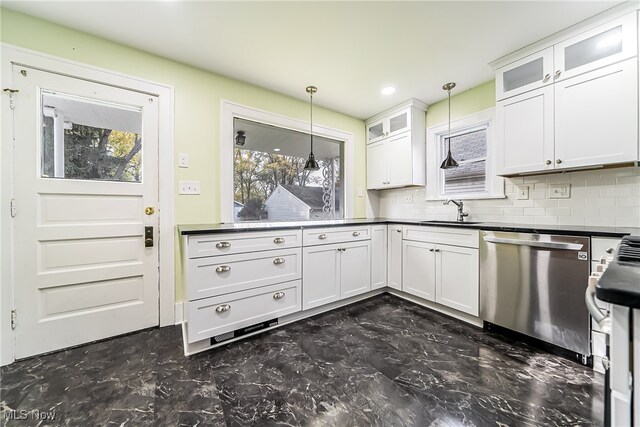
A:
408, 198
189, 187
183, 160
560, 191
523, 192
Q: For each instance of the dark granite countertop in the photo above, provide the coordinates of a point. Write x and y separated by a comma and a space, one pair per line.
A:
620, 284
575, 230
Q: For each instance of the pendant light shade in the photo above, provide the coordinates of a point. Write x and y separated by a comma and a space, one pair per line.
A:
449, 162
311, 164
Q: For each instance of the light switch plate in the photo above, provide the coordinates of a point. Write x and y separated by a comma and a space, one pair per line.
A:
183, 160
560, 191
189, 187
408, 198
523, 192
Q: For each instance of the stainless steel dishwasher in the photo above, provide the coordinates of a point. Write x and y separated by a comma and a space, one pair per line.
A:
534, 284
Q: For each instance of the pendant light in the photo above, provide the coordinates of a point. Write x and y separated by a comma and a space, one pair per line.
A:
312, 164
449, 162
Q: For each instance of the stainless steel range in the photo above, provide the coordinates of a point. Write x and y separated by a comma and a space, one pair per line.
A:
534, 284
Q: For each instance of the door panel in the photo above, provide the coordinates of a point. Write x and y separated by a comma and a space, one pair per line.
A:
399, 160
394, 256
597, 117
529, 73
457, 278
418, 269
355, 268
378, 256
88, 154
320, 275
376, 165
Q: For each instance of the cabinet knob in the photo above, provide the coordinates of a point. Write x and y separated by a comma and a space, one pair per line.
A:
399, 231
546, 78
609, 250
548, 162
221, 245
557, 74
278, 240
278, 295
431, 250
223, 269
222, 308
437, 250
558, 161
278, 261
322, 236
355, 233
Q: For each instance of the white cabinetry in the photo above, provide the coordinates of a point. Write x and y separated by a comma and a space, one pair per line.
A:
337, 270
394, 256
445, 273
378, 256
396, 147
560, 119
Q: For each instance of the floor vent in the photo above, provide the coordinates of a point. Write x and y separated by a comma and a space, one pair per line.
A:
243, 331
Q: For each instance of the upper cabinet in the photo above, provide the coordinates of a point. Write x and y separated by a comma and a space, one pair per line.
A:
571, 104
396, 147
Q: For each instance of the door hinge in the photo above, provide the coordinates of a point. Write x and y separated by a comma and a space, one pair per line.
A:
13, 208
14, 314
12, 97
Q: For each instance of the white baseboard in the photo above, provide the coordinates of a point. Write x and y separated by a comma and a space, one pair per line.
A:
179, 312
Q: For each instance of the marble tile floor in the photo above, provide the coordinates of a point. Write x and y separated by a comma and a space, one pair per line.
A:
383, 362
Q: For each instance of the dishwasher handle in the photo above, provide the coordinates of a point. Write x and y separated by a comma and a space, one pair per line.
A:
535, 244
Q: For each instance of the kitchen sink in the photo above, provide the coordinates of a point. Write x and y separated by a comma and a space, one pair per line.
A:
435, 222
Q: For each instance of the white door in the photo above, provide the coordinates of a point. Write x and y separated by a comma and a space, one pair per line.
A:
394, 257
597, 117
320, 275
355, 268
457, 278
378, 256
418, 269
376, 165
400, 160
86, 159
525, 132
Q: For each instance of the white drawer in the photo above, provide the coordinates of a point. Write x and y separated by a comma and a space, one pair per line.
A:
213, 276
240, 242
445, 235
603, 247
218, 315
323, 236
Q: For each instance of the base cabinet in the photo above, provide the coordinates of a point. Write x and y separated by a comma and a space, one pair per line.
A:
418, 269
355, 274
378, 256
457, 278
394, 257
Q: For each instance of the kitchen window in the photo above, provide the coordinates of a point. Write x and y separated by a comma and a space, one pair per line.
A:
471, 147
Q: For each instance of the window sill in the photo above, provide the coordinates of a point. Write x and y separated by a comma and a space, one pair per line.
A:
463, 197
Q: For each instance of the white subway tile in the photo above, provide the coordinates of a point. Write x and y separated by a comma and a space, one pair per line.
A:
570, 220
585, 211
534, 211
600, 221
628, 201
513, 211
558, 211
548, 220
627, 222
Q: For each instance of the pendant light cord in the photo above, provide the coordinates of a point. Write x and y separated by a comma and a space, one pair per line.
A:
449, 138
311, 120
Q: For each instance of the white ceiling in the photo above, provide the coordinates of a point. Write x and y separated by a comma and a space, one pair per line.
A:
349, 50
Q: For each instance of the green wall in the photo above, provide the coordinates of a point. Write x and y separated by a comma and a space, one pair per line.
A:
463, 104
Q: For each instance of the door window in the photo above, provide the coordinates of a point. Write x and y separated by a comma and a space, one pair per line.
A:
88, 139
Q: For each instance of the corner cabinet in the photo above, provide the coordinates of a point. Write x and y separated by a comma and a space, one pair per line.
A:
396, 147
557, 106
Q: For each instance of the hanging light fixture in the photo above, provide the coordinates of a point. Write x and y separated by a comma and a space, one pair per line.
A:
240, 138
449, 162
312, 164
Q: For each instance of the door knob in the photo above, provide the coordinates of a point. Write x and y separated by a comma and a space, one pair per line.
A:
558, 161
149, 210
548, 162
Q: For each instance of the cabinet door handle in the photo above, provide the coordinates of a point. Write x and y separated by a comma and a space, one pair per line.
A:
222, 308
548, 162
557, 74
399, 231
278, 261
609, 250
221, 245
278, 295
223, 269
278, 240
322, 236
558, 161
546, 78
355, 233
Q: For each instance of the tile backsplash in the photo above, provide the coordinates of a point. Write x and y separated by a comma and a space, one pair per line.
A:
605, 197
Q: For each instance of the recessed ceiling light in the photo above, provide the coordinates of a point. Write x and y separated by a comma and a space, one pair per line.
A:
276, 149
388, 90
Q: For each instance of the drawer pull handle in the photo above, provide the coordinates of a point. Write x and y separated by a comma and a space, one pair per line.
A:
399, 231
278, 240
322, 236
278, 295
609, 250
222, 308
223, 269
355, 233
278, 261
221, 245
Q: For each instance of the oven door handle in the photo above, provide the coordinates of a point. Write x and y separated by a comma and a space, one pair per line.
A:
535, 244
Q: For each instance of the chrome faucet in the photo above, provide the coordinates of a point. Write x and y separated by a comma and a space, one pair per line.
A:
460, 205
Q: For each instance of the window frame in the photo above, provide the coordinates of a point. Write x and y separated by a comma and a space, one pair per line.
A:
494, 184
